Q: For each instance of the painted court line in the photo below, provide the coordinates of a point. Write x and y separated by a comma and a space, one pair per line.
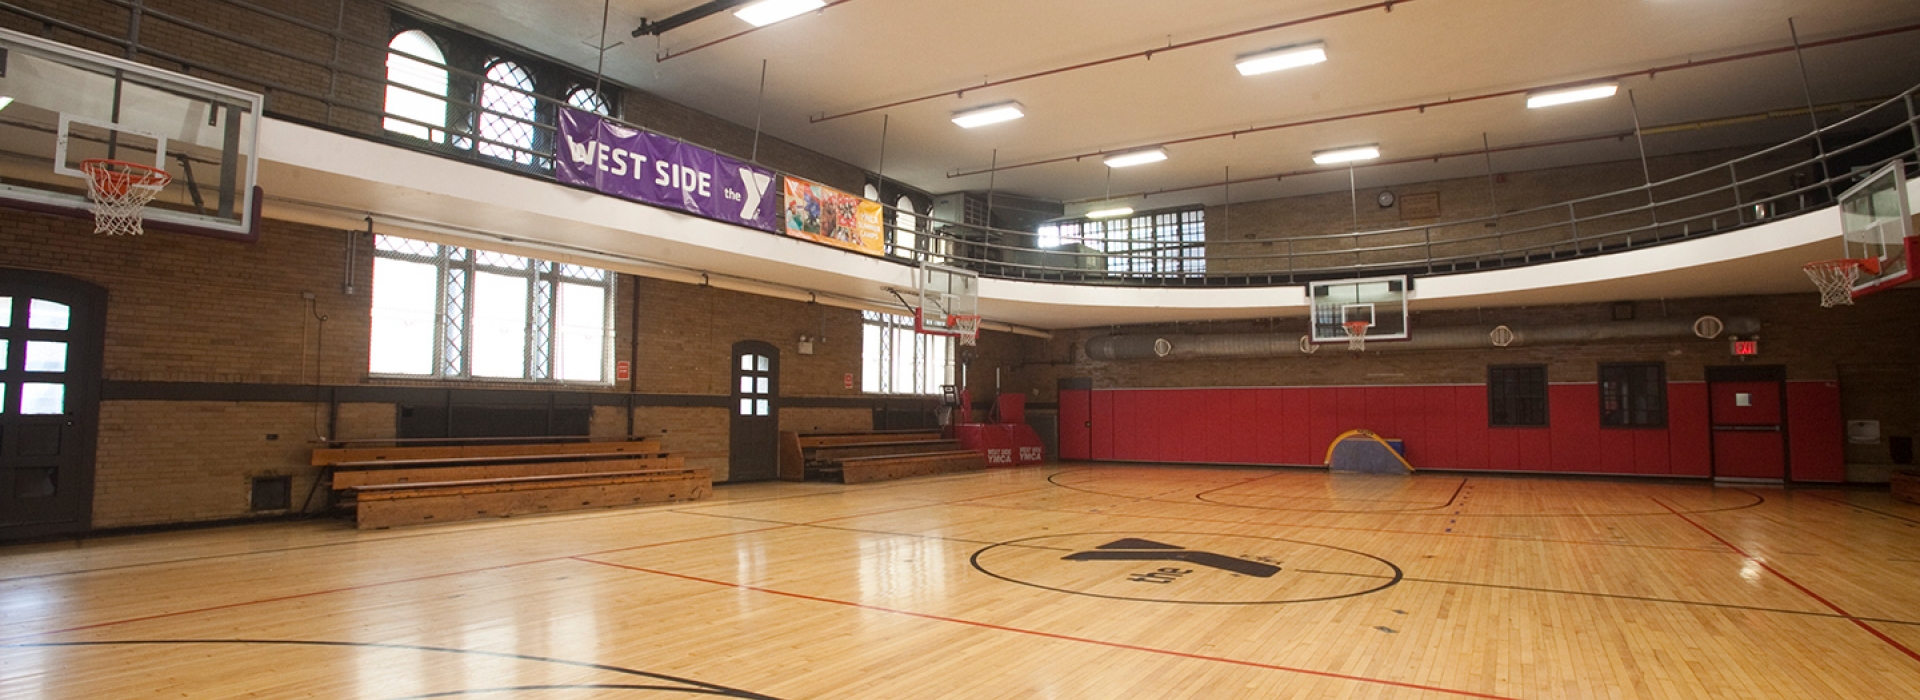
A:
1803, 589
364, 586
1051, 635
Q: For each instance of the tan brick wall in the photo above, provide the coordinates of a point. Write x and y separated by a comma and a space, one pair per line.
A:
170, 462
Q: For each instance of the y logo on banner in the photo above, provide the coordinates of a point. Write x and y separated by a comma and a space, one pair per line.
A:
756, 183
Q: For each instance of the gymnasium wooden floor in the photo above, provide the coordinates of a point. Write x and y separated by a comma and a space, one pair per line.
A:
1057, 582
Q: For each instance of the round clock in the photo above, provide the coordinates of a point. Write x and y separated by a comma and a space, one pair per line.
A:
1386, 199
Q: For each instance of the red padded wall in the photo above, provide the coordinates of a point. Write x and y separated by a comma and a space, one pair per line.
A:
1443, 426
1815, 445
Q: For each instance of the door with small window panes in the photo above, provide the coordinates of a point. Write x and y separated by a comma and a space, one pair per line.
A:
755, 428
51, 330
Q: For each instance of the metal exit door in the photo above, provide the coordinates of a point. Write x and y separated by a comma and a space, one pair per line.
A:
1748, 418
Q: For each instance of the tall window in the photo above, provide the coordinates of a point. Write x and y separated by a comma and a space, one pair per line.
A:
1517, 396
895, 359
1633, 395
456, 313
1163, 243
507, 113
417, 97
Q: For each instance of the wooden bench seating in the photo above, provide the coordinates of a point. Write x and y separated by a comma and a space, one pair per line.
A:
402, 484
861, 457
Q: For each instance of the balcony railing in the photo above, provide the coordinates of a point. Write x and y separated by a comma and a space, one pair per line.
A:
1798, 174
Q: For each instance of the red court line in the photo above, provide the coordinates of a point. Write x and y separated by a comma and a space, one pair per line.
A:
296, 596
345, 589
1051, 635
1803, 589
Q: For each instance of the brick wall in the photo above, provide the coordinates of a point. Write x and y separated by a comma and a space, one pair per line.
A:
191, 316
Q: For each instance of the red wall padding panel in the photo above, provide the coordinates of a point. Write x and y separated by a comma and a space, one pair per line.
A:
1815, 451
1689, 439
1075, 436
1444, 427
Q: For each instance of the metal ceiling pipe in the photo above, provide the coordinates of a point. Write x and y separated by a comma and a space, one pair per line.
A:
1144, 346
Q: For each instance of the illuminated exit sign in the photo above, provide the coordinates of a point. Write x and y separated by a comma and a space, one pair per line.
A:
1746, 348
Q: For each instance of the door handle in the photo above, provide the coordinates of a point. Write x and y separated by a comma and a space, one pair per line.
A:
1748, 428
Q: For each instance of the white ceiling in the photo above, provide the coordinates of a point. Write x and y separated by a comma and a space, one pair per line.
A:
862, 53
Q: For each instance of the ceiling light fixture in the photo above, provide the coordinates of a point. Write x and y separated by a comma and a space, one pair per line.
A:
1346, 155
1141, 157
1282, 58
990, 114
1113, 213
767, 12
1549, 98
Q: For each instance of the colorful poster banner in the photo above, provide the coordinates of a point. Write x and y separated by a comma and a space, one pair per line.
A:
655, 169
823, 214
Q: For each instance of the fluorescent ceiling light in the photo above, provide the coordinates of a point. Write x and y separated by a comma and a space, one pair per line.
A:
1549, 98
1346, 155
990, 114
1110, 213
5, 101
767, 12
1151, 155
1282, 58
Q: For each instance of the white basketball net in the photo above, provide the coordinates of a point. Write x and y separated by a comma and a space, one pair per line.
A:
120, 191
966, 327
1835, 279
1357, 335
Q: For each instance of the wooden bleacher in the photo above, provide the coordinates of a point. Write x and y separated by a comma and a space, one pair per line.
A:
875, 455
399, 483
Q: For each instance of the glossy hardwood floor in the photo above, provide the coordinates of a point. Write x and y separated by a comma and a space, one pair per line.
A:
1057, 582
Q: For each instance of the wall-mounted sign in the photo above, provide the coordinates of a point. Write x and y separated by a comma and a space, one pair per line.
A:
644, 167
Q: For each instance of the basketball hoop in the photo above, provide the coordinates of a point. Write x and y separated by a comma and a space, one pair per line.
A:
966, 327
1357, 335
1835, 278
120, 190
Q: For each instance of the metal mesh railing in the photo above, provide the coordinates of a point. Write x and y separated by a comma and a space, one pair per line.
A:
1797, 174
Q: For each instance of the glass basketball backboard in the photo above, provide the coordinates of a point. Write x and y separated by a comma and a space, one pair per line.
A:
1877, 220
60, 105
947, 292
1380, 302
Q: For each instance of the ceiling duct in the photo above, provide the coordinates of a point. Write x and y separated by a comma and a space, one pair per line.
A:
1144, 346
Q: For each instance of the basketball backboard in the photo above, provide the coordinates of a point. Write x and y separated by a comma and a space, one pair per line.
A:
63, 105
1381, 302
1877, 220
945, 293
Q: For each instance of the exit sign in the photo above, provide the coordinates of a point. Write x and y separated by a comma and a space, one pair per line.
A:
1746, 348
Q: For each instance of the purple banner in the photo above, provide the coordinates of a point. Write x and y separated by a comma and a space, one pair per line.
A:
658, 170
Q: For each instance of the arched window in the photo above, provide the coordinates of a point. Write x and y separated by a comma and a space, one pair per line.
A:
587, 99
906, 227
413, 61
507, 113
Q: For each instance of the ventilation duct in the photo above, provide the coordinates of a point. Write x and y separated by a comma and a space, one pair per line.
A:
1192, 347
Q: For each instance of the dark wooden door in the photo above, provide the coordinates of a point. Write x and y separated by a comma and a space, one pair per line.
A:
754, 443
1749, 423
52, 331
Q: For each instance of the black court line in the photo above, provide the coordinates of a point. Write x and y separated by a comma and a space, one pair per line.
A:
712, 688
1505, 538
1620, 596
578, 686
1855, 506
871, 532
1419, 512
1450, 499
974, 561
